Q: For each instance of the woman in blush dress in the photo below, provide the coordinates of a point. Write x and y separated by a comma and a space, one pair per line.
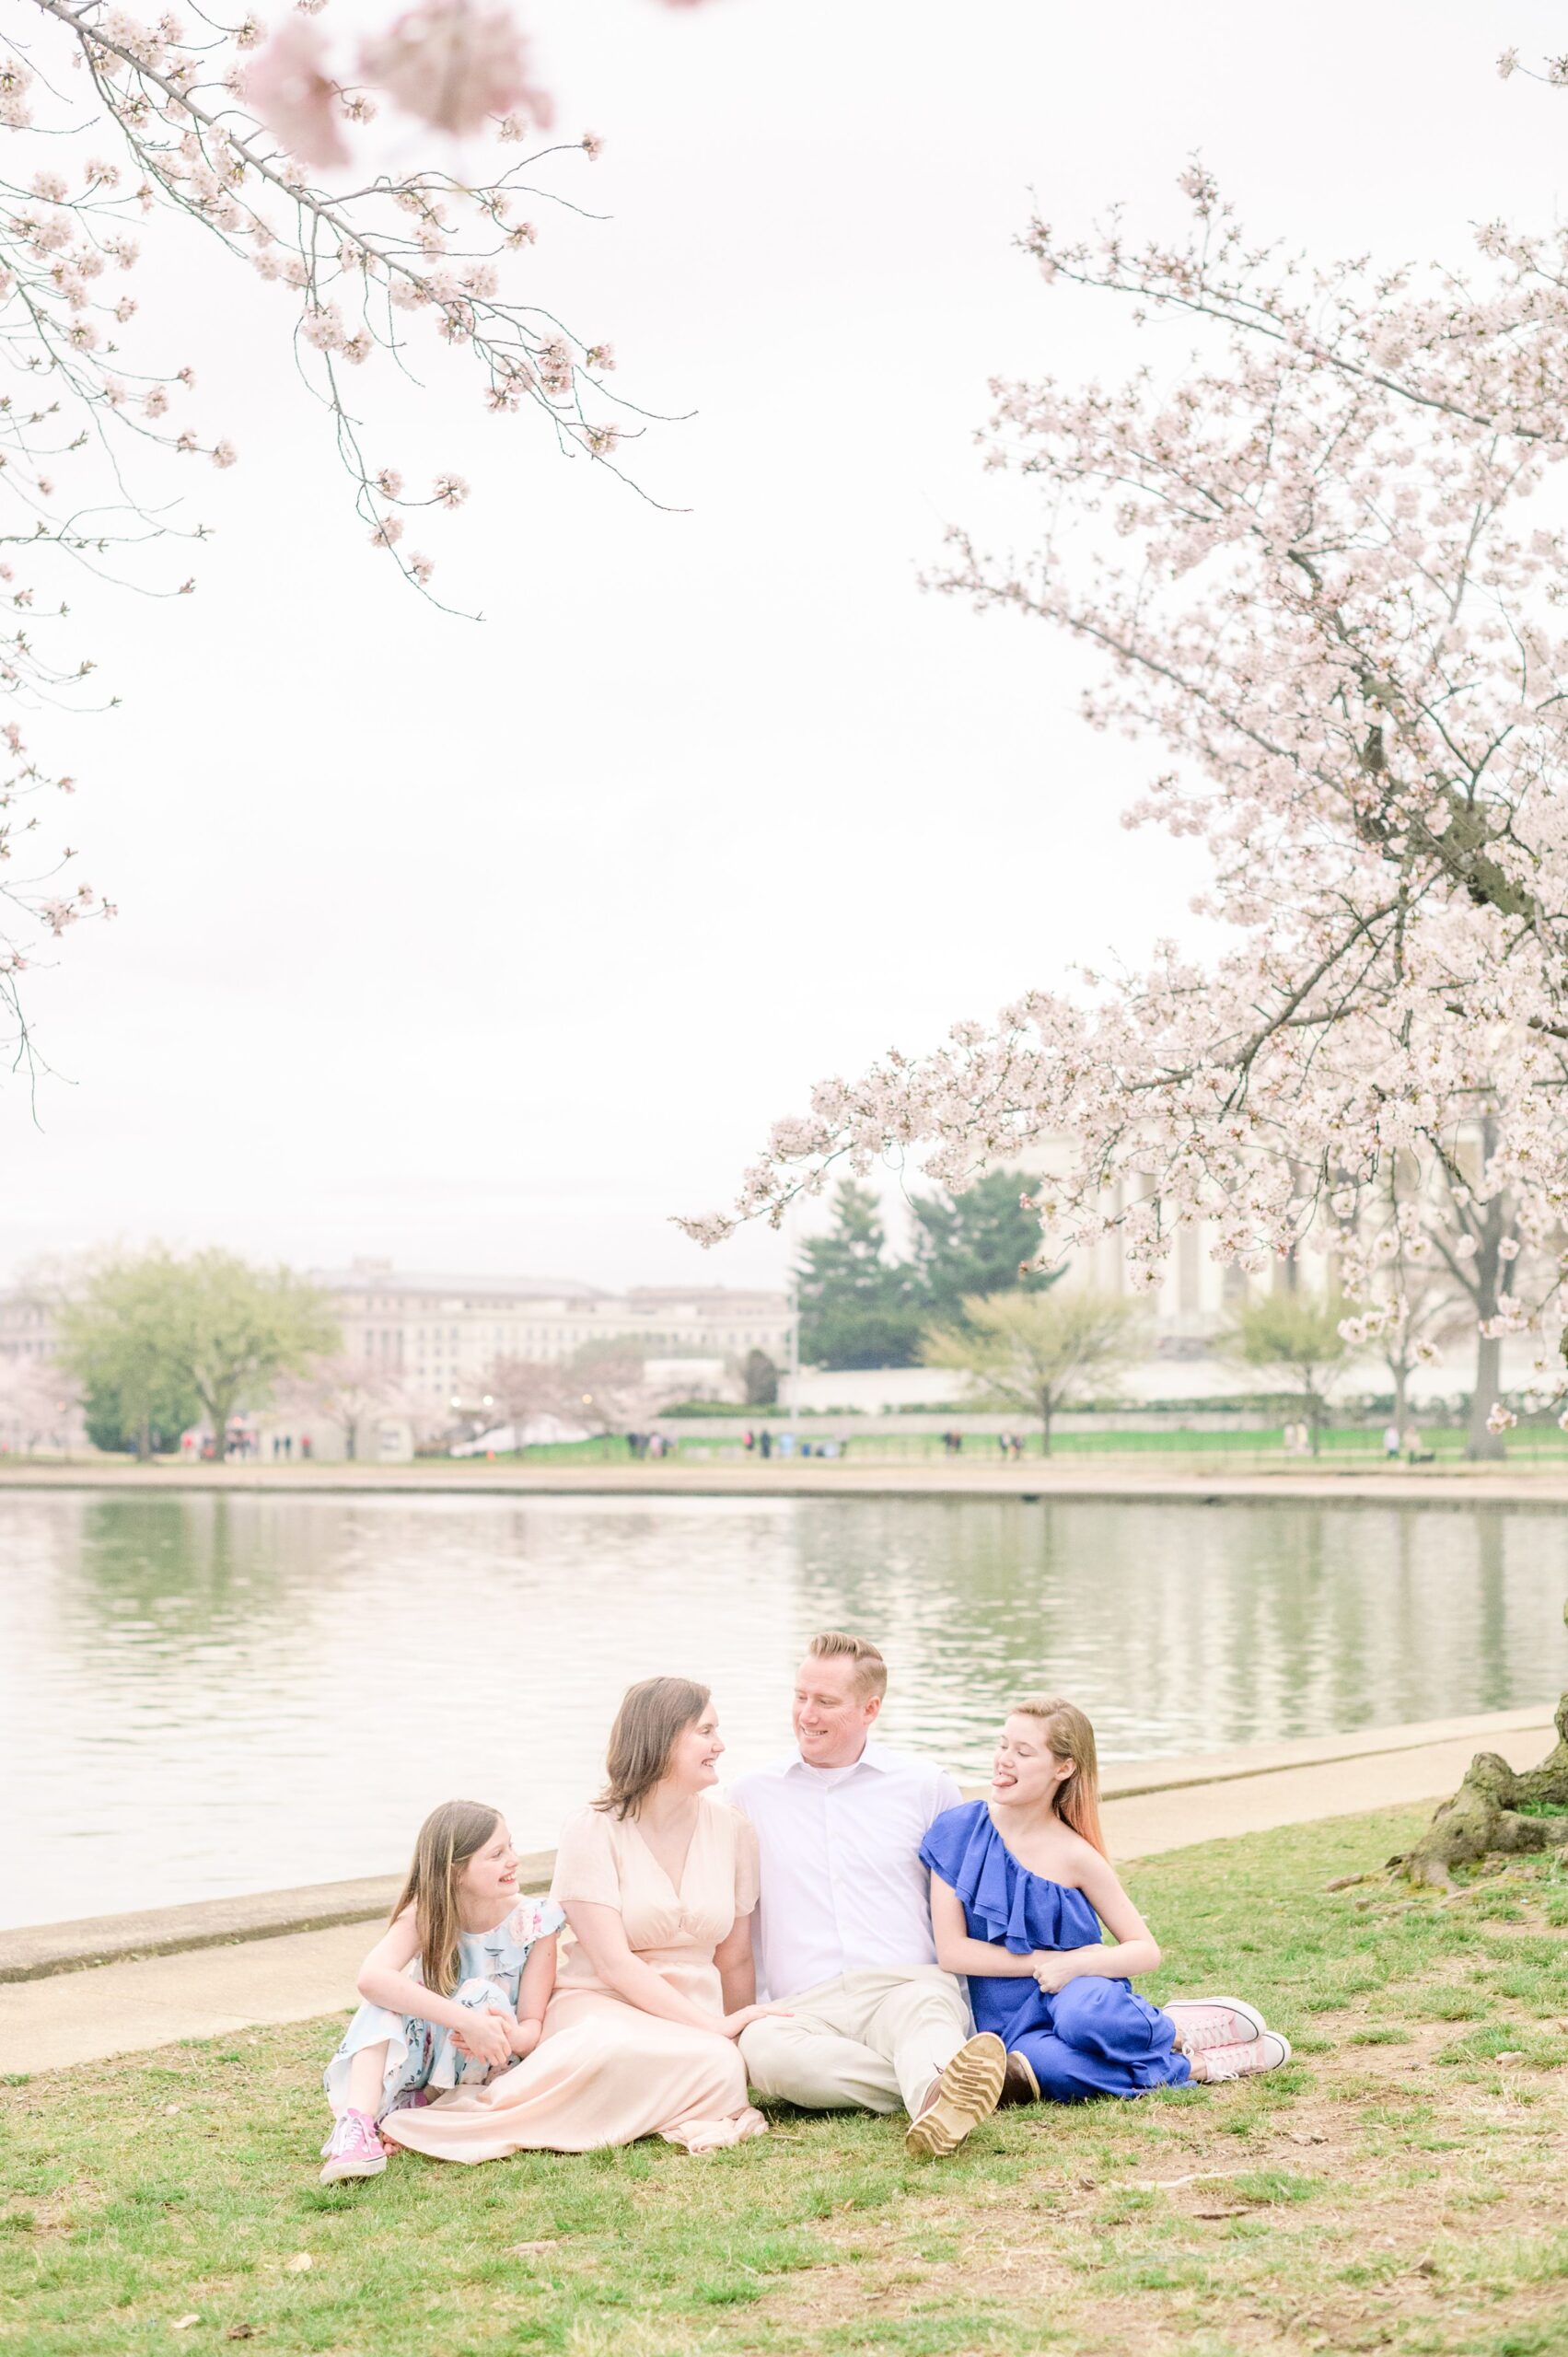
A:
1020, 1885
658, 1881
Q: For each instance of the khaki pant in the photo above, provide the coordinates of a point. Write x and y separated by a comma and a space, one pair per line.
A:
867, 2042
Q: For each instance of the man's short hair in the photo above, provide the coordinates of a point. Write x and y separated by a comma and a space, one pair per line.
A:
870, 1669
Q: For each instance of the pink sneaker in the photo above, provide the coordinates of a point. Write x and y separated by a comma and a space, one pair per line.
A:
1202, 2022
1270, 2052
353, 2148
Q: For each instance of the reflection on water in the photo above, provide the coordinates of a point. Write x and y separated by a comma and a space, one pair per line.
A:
221, 1693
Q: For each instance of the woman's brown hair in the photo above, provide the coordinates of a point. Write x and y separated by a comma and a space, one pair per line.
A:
651, 1716
449, 1837
1070, 1737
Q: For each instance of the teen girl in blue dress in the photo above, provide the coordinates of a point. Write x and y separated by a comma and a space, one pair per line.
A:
1020, 1886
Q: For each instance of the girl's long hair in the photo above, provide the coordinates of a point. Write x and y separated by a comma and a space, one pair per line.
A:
1070, 1737
651, 1716
449, 1837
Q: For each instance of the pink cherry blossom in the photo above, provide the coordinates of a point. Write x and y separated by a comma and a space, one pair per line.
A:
454, 64
297, 99
1330, 604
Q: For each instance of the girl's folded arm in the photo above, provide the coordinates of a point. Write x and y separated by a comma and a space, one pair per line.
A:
385, 1980
1135, 1950
956, 1952
535, 1987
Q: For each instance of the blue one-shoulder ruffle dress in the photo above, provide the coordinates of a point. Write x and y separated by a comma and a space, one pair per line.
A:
1094, 2036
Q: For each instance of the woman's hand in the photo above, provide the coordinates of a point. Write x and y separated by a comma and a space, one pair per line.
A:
731, 2024
1053, 1967
485, 2035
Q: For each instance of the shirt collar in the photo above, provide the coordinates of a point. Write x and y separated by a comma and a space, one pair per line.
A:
874, 1756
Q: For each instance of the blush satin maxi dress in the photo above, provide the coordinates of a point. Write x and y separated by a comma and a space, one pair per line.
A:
604, 2072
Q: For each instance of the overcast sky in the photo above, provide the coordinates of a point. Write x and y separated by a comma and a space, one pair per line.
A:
492, 946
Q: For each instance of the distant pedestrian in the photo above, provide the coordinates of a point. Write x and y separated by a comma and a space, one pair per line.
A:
765, 1445
1392, 1442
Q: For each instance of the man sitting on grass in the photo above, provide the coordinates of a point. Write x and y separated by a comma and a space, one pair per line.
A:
842, 1930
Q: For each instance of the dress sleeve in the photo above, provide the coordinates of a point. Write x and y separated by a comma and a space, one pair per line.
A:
534, 1918
587, 1868
748, 1875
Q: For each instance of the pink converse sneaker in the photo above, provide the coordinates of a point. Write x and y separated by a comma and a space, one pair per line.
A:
1270, 2052
353, 2148
1202, 2022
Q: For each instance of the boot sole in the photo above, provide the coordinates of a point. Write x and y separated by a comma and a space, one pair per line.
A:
966, 2092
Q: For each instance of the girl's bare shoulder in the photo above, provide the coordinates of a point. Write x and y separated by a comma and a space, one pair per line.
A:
1079, 1861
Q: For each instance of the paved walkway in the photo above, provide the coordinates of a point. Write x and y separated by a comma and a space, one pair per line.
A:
65, 2017
1191, 1479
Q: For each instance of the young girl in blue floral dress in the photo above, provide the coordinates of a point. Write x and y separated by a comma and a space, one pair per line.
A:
1020, 1885
455, 1989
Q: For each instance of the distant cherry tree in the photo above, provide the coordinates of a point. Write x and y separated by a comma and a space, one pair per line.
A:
1319, 564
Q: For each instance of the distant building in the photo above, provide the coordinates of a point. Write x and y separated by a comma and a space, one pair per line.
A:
436, 1336
27, 1325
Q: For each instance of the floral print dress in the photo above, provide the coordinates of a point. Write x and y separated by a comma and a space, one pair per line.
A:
420, 2054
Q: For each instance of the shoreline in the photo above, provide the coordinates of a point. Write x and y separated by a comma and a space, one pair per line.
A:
1469, 1485
1151, 1804
92, 2005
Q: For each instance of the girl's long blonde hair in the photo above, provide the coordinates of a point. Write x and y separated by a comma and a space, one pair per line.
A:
1070, 1737
449, 1837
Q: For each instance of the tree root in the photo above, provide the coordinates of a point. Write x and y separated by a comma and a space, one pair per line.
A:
1487, 1817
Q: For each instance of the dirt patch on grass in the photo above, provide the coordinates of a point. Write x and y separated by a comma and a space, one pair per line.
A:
1390, 2197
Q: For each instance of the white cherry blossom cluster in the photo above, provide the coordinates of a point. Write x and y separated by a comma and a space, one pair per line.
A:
122, 129
1320, 567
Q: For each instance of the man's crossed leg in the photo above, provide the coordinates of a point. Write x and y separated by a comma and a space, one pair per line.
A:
877, 2040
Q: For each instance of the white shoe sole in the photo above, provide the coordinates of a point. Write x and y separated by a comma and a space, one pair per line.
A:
336, 2172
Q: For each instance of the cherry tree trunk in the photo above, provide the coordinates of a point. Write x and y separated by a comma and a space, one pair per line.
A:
1478, 1442
1489, 1815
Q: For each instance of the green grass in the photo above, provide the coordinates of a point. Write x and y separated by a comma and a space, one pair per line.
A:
1398, 2187
1343, 1447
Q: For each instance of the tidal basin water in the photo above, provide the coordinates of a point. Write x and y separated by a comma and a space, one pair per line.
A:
210, 1694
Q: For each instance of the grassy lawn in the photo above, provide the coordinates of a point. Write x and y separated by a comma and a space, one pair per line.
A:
1399, 2187
1343, 1445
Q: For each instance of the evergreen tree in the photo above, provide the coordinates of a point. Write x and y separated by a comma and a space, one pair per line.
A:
858, 1309
967, 1247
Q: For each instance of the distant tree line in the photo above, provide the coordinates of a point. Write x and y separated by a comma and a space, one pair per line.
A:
861, 1306
157, 1342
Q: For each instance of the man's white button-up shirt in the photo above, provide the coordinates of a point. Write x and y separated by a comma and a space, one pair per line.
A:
843, 1890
